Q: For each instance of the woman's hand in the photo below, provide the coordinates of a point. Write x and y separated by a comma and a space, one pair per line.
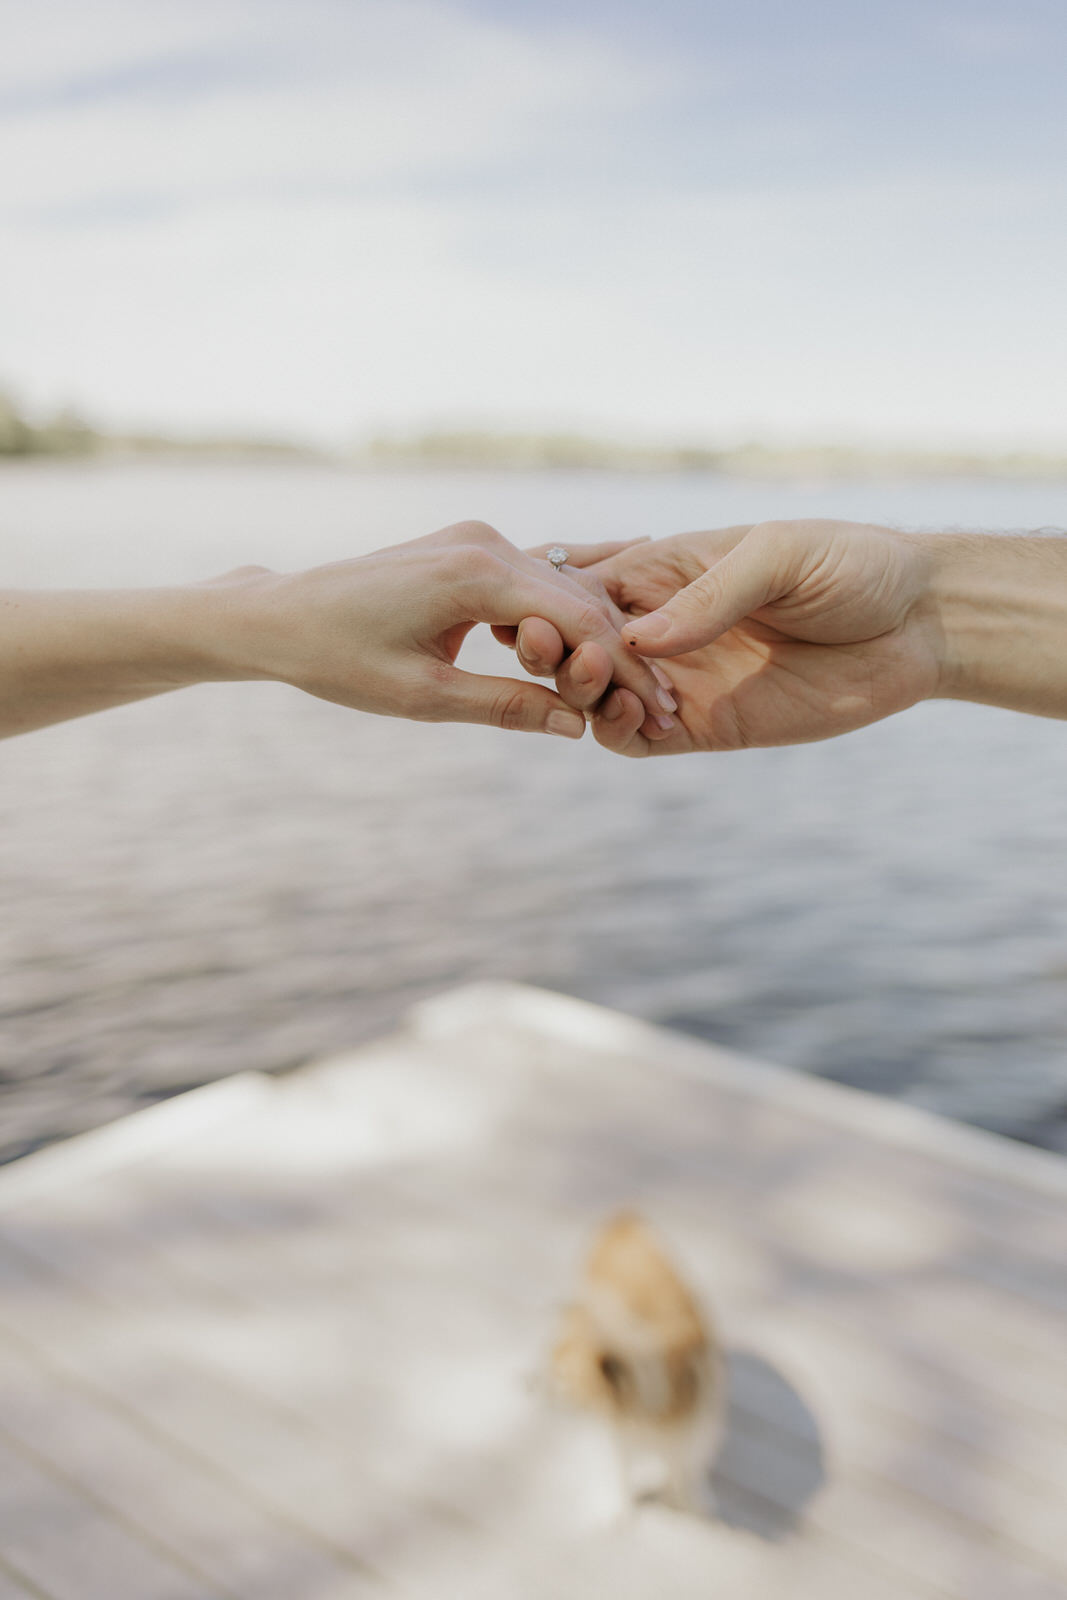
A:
382, 632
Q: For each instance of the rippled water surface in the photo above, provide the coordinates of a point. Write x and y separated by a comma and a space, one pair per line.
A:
239, 876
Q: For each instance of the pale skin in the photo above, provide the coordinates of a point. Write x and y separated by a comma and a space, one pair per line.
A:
787, 632
380, 633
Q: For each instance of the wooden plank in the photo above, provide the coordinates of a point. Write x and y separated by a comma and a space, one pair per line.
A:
14, 1587
894, 1535
660, 1554
265, 1447
175, 1501
847, 1377
72, 1550
983, 1502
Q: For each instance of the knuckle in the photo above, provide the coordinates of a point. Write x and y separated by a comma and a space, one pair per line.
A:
473, 530
577, 699
236, 574
780, 550
589, 619
702, 592
631, 747
580, 684
776, 536
471, 564
512, 709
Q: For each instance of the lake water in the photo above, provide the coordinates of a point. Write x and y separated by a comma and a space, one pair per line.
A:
239, 876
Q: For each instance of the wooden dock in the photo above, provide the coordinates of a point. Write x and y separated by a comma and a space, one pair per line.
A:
279, 1339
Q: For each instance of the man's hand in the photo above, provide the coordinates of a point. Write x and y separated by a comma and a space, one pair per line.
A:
777, 633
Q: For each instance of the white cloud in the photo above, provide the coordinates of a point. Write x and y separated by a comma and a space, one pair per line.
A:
52, 44
379, 92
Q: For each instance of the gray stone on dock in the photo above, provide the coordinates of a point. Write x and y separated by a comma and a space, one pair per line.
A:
275, 1339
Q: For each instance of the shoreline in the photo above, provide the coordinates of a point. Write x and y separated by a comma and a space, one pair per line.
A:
789, 469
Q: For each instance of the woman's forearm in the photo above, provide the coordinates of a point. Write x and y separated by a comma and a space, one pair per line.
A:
66, 653
1000, 606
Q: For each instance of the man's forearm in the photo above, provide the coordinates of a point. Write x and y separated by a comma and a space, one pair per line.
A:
1000, 605
66, 653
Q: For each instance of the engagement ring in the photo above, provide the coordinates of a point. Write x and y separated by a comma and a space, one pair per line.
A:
557, 556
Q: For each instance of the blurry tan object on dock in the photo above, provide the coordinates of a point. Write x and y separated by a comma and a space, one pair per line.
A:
635, 1347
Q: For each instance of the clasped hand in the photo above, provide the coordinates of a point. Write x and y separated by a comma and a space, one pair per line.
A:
775, 633
771, 634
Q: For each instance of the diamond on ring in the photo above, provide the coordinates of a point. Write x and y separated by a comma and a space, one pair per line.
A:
557, 556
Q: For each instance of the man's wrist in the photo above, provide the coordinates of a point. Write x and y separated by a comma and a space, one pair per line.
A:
946, 607
997, 606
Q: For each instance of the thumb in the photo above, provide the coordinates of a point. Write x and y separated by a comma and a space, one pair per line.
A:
748, 577
458, 696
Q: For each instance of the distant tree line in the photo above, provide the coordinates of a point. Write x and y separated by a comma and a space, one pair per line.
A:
536, 452
63, 434
66, 433
556, 451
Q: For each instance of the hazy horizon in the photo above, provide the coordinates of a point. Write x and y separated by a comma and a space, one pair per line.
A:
796, 224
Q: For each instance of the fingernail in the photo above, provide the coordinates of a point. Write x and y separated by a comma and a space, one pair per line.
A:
612, 709
667, 701
567, 724
654, 626
666, 723
660, 676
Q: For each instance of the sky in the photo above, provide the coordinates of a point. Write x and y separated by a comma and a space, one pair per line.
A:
789, 220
